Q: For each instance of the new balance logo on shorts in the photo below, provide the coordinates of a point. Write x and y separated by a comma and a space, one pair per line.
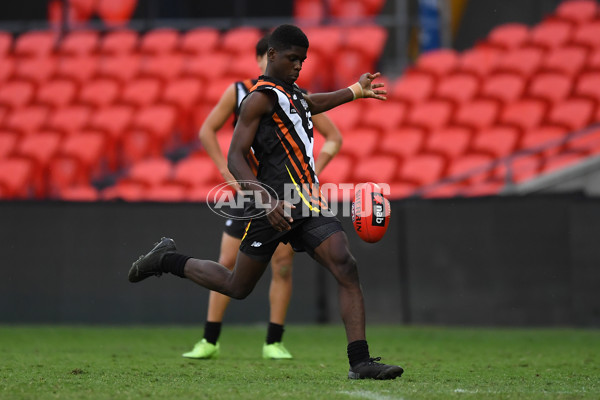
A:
256, 244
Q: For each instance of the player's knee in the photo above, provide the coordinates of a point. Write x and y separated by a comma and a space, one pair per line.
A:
239, 293
346, 267
282, 268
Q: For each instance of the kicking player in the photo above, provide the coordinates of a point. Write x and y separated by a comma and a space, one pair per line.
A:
281, 263
275, 120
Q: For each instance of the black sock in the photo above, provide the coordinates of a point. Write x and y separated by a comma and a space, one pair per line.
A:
358, 351
274, 333
212, 331
174, 263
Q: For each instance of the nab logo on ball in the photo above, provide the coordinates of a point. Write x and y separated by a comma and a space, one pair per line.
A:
370, 212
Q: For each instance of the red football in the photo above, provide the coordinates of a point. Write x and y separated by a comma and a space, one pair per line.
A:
370, 212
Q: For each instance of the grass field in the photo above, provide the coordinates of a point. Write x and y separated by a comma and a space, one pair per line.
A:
64, 362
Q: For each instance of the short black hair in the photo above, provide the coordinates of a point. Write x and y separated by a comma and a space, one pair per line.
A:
285, 36
262, 45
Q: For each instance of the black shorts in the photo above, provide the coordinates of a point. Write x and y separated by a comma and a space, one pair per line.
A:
235, 227
306, 234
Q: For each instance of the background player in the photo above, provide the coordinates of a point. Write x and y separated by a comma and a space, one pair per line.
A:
281, 263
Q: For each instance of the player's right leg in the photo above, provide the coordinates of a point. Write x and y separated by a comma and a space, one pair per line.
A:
208, 346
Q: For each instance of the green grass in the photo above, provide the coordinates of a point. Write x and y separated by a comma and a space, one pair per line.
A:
63, 362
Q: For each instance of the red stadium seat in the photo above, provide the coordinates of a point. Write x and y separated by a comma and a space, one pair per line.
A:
123, 68
519, 168
100, 92
195, 171
56, 93
588, 35
40, 148
561, 161
577, 11
8, 143
550, 87
113, 121
451, 141
438, 62
474, 167
509, 36
208, 68
7, 69
403, 142
325, 41
523, 61
35, 44
88, 150
504, 87
588, 142
200, 41
593, 63
141, 92
119, 42
36, 70
15, 177
85, 192
160, 41
573, 114
79, 43
368, 40
524, 114
480, 60
412, 88
360, 142
69, 120
151, 172
549, 139
498, 141
431, 115
159, 120
339, 170
184, 93
241, 40
116, 13
378, 168
477, 114
458, 88
79, 69
164, 67
27, 120
551, 34
166, 192
588, 85
136, 145
346, 116
126, 191
383, 116
242, 67
422, 169
16, 94
568, 60
6, 44
309, 12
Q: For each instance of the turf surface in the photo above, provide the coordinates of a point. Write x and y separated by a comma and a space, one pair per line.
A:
65, 362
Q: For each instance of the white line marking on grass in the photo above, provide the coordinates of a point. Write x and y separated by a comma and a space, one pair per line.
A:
364, 394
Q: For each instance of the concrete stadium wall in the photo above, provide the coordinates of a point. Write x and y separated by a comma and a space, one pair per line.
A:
495, 261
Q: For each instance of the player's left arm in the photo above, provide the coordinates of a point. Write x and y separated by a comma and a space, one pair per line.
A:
333, 140
364, 88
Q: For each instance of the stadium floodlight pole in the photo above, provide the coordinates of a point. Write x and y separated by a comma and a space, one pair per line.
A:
401, 27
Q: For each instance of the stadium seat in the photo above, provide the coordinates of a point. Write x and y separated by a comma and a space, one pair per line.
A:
243, 67
508, 36
339, 170
569, 60
473, 167
88, 150
422, 169
563, 160
196, 170
69, 120
8, 143
126, 191
56, 93
6, 44
150, 172
402, 142
523, 61
122, 68
207, 68
588, 85
308, 12
36, 70
27, 120
184, 93
159, 121
593, 63
524, 114
368, 40
64, 171
141, 92
166, 192
497, 141
324, 40
40, 148
588, 35
480, 60
241, 40
16, 94
573, 113
550, 34
7, 69
312, 74
200, 41
577, 11
377, 168
346, 116
116, 13
384, 116
587, 141
360, 142
119, 42
519, 168
98, 93
548, 139
503, 87
113, 121
135, 145
35, 44
15, 178
164, 67
412, 88
84, 192
430, 115
160, 41
477, 114
79, 43
437, 62
450, 142
458, 88
550, 87
79, 69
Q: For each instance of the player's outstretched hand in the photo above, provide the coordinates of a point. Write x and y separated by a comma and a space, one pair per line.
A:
370, 89
279, 217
